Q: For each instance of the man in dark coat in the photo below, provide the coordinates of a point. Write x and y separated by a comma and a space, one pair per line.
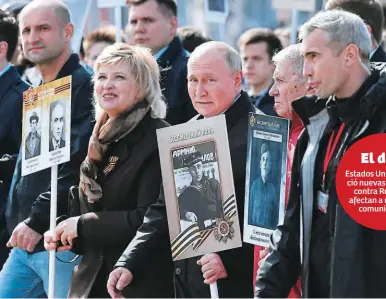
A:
153, 23
335, 256
232, 269
11, 98
28, 207
371, 12
257, 47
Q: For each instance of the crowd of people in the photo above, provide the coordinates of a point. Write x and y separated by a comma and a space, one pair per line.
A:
112, 236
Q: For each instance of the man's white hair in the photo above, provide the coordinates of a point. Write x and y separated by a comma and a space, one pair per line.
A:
343, 29
292, 54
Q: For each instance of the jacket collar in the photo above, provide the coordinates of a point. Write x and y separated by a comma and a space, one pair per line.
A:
379, 55
296, 123
71, 65
174, 50
368, 99
136, 135
8, 79
365, 102
237, 111
307, 107
263, 96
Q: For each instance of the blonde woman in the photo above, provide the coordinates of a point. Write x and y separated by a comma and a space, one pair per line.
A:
120, 176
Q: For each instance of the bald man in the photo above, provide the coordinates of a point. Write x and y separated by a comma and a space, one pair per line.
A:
57, 126
46, 32
214, 85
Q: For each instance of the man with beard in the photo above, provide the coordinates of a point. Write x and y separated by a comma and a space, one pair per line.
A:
201, 201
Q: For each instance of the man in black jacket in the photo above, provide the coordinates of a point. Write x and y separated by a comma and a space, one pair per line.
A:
200, 201
371, 12
334, 255
46, 31
153, 23
257, 47
214, 76
11, 98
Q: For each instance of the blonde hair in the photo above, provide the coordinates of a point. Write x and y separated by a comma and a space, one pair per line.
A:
145, 70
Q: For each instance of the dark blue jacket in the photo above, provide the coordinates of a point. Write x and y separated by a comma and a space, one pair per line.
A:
265, 104
29, 199
174, 83
11, 98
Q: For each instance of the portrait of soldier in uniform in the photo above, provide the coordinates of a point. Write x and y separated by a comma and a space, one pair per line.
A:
56, 140
32, 142
264, 199
200, 201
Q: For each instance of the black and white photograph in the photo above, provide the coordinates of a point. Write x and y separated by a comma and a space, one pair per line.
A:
264, 206
57, 125
265, 182
33, 128
46, 126
198, 185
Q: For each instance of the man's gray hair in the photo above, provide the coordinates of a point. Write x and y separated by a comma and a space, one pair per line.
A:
292, 54
343, 28
230, 55
233, 59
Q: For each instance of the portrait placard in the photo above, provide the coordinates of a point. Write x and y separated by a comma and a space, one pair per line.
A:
199, 189
46, 126
265, 177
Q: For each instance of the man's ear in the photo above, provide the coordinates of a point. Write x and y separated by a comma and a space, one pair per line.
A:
173, 22
352, 54
3, 50
371, 35
369, 30
272, 66
238, 79
68, 32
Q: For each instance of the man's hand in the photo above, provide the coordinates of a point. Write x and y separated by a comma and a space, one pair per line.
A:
190, 216
212, 267
119, 278
24, 237
262, 254
67, 231
50, 243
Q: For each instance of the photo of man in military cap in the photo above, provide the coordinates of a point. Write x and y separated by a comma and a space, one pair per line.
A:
201, 201
264, 198
33, 140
